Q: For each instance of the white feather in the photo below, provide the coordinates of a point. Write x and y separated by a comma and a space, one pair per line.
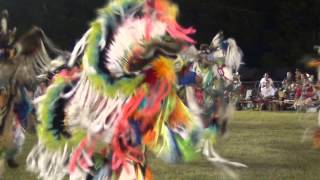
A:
216, 40
78, 49
216, 158
4, 25
234, 55
130, 34
56, 63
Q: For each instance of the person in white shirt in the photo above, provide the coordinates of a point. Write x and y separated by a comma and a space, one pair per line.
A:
266, 79
267, 91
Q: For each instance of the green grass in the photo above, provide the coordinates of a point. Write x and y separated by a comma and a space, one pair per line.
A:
269, 143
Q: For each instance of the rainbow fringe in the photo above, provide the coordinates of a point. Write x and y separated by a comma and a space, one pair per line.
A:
46, 115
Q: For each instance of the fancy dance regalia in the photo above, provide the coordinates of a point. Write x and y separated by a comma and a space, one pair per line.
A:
23, 64
98, 123
208, 84
216, 68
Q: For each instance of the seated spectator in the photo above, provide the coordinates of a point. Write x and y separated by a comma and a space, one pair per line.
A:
267, 91
298, 91
298, 76
287, 81
309, 90
292, 91
266, 79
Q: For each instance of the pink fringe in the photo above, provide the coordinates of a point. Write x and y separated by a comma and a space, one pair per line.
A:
175, 30
119, 156
82, 148
148, 27
69, 74
76, 155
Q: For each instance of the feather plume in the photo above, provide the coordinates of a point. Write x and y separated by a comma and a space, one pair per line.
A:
234, 54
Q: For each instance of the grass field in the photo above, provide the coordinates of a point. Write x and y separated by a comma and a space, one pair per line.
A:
269, 143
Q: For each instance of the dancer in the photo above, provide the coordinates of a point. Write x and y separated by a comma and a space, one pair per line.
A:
209, 86
23, 63
98, 120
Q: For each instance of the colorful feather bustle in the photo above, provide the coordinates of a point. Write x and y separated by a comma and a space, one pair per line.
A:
98, 122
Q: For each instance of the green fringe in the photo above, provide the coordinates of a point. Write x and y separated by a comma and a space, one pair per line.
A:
98, 79
46, 116
187, 149
111, 7
210, 134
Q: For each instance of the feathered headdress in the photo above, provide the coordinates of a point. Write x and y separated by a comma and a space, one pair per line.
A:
228, 49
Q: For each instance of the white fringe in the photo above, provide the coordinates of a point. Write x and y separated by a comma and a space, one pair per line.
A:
49, 165
93, 111
191, 101
78, 49
206, 148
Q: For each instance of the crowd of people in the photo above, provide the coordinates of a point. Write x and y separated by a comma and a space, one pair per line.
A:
297, 91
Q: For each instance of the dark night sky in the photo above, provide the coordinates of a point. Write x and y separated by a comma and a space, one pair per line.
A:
274, 34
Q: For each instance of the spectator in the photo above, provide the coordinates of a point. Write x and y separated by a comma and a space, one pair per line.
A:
308, 89
298, 76
298, 91
267, 91
266, 79
286, 83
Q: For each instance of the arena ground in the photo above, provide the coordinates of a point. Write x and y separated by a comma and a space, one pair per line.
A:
273, 145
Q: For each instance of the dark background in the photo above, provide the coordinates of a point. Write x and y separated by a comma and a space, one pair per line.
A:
275, 35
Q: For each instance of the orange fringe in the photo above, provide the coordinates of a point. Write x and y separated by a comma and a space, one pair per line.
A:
148, 175
149, 137
164, 68
166, 8
178, 116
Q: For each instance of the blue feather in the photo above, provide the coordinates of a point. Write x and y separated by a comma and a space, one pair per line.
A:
137, 134
104, 173
175, 148
188, 78
22, 109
